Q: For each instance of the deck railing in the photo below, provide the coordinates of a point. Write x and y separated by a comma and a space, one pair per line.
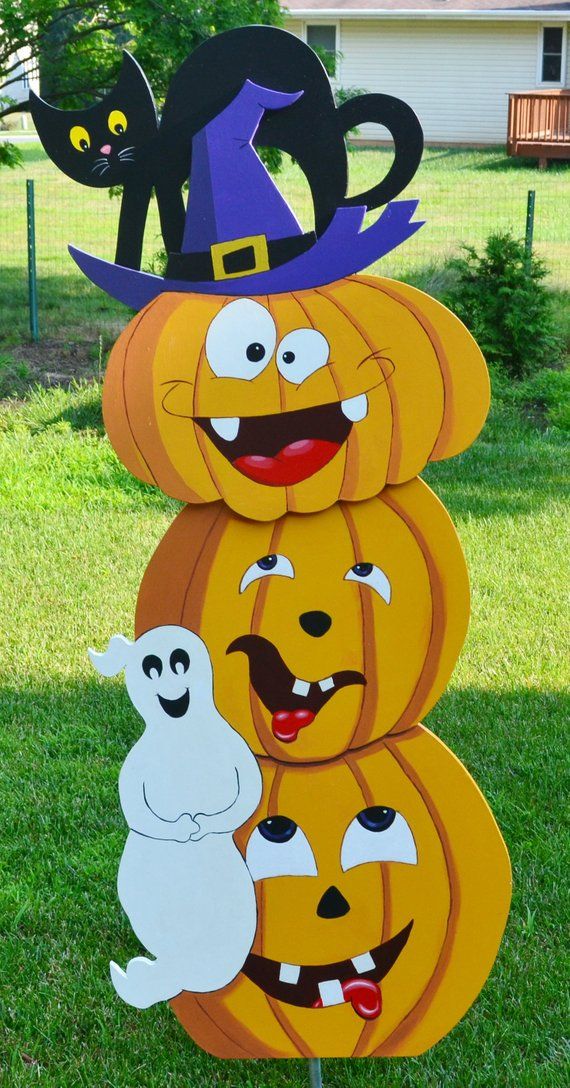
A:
539, 124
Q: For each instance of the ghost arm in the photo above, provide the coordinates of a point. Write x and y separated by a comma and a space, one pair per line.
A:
140, 815
246, 799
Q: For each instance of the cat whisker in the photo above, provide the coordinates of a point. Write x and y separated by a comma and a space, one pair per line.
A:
124, 151
103, 171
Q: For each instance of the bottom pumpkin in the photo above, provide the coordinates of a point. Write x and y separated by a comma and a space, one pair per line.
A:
383, 888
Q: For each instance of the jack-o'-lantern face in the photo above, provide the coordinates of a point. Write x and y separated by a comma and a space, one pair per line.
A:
292, 401
325, 631
383, 886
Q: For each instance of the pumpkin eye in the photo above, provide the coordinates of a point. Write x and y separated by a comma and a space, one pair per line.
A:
378, 833
301, 353
179, 662
117, 122
371, 575
278, 847
241, 340
268, 564
152, 666
80, 138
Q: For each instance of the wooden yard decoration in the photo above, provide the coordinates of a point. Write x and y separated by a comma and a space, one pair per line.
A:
310, 870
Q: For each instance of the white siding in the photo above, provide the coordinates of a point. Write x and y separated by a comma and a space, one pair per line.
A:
455, 74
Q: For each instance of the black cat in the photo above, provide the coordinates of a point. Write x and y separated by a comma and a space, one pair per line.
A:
118, 141
112, 143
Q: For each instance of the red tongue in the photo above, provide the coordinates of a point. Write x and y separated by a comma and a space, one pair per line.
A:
294, 463
364, 995
287, 723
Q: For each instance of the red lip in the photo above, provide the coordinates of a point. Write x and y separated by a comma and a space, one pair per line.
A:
294, 463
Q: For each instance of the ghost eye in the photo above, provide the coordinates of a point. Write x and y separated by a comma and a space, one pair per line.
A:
80, 138
152, 666
268, 564
117, 122
179, 662
301, 353
378, 833
241, 340
279, 847
371, 575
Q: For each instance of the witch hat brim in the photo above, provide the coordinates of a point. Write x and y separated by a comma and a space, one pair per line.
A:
342, 250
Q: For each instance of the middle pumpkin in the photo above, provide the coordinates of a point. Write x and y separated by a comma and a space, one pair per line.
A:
326, 631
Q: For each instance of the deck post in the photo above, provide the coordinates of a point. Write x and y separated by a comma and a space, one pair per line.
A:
529, 232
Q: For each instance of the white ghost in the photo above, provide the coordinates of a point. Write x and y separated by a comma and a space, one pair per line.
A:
187, 784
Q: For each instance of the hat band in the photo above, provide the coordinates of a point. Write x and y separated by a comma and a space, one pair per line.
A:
238, 257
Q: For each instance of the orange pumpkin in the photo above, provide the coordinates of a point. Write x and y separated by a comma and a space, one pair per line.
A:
387, 917
290, 402
325, 631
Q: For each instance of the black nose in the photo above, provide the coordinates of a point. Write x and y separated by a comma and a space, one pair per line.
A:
315, 623
332, 904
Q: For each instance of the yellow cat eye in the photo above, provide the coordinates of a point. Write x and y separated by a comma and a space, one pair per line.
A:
80, 138
117, 122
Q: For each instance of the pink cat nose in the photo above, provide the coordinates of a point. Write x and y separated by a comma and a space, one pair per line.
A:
106, 149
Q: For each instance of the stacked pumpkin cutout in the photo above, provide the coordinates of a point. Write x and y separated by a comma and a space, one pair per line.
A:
291, 404
334, 609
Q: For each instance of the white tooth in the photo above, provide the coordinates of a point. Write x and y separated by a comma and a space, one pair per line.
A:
227, 427
289, 972
331, 992
363, 963
356, 408
326, 684
301, 687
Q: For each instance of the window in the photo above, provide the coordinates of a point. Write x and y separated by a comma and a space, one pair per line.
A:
551, 65
322, 38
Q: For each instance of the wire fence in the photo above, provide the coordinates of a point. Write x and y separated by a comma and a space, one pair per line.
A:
464, 197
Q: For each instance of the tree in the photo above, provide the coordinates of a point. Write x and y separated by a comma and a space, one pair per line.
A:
76, 46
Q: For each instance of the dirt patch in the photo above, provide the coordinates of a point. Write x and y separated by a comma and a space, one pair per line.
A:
53, 362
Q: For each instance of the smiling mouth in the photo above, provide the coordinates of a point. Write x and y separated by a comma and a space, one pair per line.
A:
356, 981
176, 708
292, 703
285, 448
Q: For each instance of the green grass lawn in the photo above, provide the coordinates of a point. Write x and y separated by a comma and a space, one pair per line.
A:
76, 533
464, 194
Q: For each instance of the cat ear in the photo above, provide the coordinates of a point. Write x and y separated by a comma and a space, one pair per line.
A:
132, 80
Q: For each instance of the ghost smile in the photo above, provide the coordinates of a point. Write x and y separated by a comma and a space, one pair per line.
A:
176, 708
293, 703
354, 980
285, 448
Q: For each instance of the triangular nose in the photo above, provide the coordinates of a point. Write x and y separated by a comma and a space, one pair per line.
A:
332, 904
315, 623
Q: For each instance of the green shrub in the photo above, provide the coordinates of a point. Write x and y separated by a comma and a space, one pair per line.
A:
501, 297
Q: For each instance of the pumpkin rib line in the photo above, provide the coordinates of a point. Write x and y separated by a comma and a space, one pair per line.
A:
286, 1025
224, 1032
332, 374
260, 597
141, 317
368, 627
436, 639
362, 749
199, 556
368, 1028
438, 975
441, 356
395, 451
198, 432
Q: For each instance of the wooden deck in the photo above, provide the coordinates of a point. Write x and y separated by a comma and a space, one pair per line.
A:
539, 125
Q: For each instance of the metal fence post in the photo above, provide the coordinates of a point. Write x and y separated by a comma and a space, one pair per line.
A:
315, 1078
32, 278
529, 225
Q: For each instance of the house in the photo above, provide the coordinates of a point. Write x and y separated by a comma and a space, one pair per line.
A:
17, 89
454, 61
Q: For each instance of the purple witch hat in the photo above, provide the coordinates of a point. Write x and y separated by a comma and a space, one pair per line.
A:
240, 236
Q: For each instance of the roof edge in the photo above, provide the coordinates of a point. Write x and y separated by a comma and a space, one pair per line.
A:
494, 15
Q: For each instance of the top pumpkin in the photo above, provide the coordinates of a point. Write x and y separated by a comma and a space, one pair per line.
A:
290, 402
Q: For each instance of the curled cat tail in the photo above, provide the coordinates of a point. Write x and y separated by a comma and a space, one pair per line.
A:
145, 982
114, 658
